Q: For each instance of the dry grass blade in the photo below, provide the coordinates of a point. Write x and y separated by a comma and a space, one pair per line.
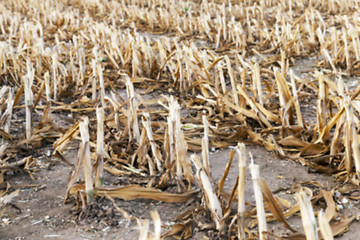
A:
132, 192
342, 226
66, 138
4, 200
274, 205
226, 172
330, 212
184, 229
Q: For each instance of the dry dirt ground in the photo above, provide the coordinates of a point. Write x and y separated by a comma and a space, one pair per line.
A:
39, 212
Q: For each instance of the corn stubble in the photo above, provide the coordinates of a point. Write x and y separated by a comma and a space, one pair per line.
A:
232, 65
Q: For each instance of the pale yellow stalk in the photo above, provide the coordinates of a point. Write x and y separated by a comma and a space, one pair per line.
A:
47, 86
86, 158
232, 81
260, 211
240, 149
28, 82
346, 48
133, 124
325, 228
354, 136
100, 147
205, 147
300, 120
307, 215
157, 225
211, 200
154, 149
102, 87
182, 164
257, 82
93, 87
7, 115
54, 73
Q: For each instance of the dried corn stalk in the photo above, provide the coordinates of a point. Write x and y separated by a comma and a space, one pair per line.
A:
240, 149
182, 163
100, 151
307, 214
28, 83
6, 117
210, 198
205, 147
154, 149
85, 157
325, 228
133, 126
260, 211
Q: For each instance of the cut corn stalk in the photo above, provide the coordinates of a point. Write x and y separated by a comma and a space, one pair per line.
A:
325, 228
240, 149
86, 158
133, 125
260, 211
205, 147
28, 82
211, 200
307, 214
154, 149
100, 151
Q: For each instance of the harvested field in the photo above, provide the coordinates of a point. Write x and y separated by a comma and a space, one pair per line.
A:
155, 119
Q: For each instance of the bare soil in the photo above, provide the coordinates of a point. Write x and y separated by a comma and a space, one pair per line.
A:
40, 213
